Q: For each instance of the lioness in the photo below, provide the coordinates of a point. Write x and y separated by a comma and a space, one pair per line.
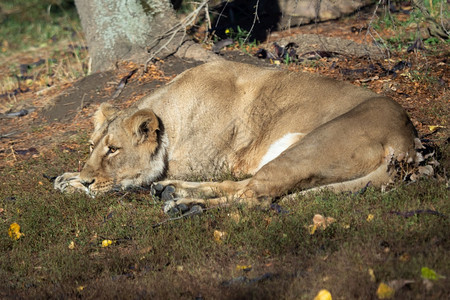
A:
290, 131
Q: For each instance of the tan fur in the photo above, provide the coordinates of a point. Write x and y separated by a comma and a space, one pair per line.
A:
290, 131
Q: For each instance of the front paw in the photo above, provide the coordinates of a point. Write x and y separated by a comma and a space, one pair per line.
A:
174, 209
175, 205
70, 183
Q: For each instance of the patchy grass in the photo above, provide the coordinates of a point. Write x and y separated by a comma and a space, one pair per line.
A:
262, 254
182, 259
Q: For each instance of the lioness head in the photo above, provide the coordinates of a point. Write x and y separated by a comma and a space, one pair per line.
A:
127, 149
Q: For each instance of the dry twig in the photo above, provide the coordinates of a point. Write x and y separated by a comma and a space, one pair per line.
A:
254, 21
172, 32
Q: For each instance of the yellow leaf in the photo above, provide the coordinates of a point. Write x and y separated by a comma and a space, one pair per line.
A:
384, 291
72, 245
434, 127
80, 288
372, 275
244, 268
14, 231
219, 236
106, 243
323, 295
312, 229
370, 217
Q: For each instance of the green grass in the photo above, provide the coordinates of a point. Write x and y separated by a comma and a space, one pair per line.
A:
181, 259
33, 23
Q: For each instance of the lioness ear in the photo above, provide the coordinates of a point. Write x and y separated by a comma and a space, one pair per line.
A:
143, 126
104, 113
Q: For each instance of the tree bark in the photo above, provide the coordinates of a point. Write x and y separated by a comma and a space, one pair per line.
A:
126, 29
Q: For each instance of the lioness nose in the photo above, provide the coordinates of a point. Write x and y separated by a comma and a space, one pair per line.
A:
87, 183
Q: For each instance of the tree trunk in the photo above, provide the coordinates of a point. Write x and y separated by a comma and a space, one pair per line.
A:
126, 29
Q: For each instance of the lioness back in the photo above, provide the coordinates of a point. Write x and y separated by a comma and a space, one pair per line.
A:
290, 131
234, 112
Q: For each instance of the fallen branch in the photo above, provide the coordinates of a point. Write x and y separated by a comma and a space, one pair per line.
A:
412, 213
254, 22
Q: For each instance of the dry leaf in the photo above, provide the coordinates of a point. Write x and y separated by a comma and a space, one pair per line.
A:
320, 222
235, 216
426, 170
384, 291
72, 245
323, 222
418, 144
372, 275
219, 236
346, 226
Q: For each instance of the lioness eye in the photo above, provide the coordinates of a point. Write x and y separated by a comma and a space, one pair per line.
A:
112, 149
91, 147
